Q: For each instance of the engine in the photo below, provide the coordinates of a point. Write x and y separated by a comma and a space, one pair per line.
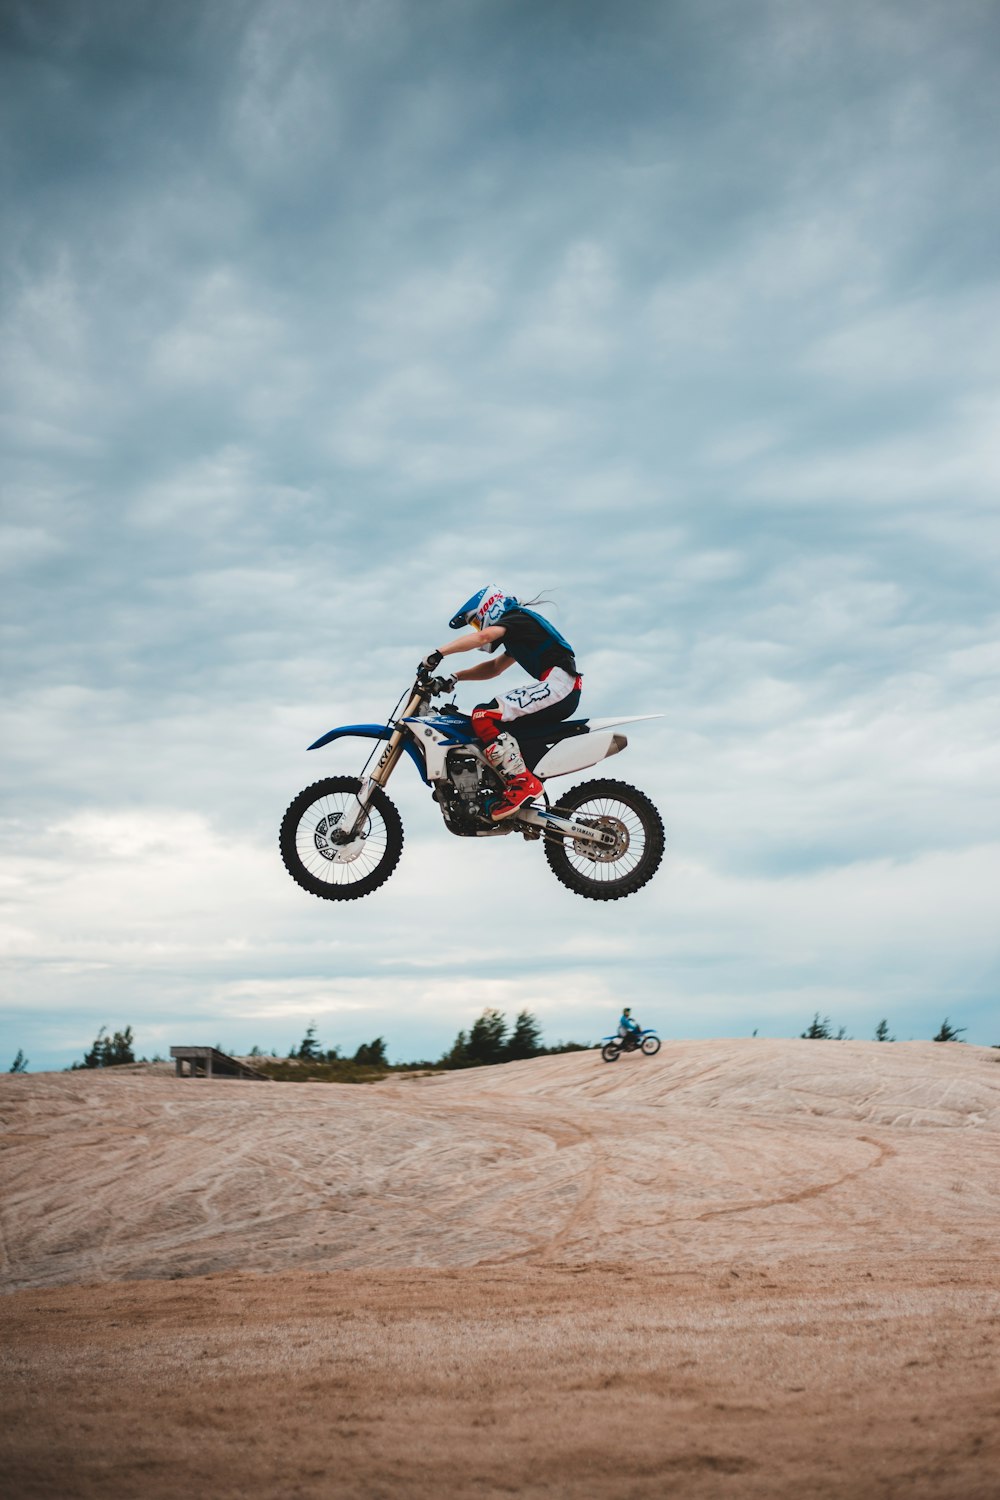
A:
464, 797
466, 775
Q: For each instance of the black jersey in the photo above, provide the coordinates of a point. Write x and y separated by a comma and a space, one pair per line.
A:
535, 644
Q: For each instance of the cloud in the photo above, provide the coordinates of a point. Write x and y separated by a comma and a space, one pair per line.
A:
315, 317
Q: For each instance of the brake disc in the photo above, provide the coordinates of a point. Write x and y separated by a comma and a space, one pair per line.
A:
604, 854
333, 844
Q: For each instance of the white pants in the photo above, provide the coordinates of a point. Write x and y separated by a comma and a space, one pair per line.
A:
536, 696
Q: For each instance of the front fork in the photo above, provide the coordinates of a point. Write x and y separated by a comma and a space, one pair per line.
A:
356, 809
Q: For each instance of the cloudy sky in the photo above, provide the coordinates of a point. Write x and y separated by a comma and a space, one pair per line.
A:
319, 314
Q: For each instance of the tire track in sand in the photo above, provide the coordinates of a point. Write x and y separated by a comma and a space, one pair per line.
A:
566, 1134
817, 1191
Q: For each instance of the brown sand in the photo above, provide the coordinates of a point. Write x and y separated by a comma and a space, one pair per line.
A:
741, 1269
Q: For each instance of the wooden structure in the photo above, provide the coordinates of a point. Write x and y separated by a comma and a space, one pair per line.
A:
209, 1062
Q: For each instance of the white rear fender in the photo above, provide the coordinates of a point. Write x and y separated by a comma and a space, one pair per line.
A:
596, 724
579, 752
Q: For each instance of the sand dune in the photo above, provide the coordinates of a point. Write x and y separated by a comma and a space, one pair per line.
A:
742, 1267
712, 1150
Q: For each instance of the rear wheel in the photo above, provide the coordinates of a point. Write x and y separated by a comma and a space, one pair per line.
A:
610, 1052
607, 872
309, 841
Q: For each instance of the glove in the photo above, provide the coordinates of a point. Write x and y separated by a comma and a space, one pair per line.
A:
437, 686
430, 661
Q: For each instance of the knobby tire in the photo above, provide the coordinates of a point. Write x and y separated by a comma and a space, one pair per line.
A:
594, 886
320, 880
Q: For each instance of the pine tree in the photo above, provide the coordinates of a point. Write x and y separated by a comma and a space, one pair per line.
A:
458, 1055
119, 1048
948, 1033
486, 1039
109, 1051
20, 1063
371, 1054
818, 1029
882, 1032
97, 1056
526, 1038
309, 1049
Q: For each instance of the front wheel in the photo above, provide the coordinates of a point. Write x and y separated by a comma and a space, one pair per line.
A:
610, 1052
310, 846
607, 872
651, 1045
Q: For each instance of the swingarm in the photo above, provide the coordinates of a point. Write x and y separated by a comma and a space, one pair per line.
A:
555, 823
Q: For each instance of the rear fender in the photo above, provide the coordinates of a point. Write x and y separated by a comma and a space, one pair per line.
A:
578, 753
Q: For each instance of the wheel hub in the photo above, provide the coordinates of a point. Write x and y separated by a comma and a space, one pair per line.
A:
604, 854
330, 839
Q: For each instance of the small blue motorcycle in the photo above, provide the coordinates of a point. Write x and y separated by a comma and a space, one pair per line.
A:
342, 838
637, 1041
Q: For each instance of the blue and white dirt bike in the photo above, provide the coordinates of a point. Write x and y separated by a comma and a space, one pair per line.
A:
637, 1041
341, 838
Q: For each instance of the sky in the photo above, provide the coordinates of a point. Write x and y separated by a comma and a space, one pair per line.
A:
318, 315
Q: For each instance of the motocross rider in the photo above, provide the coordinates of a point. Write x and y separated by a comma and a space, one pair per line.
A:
627, 1025
498, 619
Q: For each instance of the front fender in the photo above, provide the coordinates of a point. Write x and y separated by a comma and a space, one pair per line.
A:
360, 731
370, 732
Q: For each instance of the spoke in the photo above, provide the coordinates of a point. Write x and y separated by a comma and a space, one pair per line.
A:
327, 870
606, 871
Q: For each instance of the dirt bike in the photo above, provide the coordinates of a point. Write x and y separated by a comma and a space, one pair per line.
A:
636, 1041
341, 838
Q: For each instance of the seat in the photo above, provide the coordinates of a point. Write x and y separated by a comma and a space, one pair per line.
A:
524, 729
535, 739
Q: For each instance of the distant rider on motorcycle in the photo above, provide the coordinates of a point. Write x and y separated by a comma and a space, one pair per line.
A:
626, 1026
532, 643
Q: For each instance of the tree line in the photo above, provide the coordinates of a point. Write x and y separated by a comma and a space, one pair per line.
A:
488, 1041
821, 1030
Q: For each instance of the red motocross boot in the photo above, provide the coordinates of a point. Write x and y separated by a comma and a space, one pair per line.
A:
519, 790
504, 755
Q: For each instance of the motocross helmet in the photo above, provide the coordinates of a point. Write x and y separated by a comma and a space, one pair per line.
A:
485, 607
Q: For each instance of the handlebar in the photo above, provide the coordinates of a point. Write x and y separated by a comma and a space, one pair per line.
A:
431, 687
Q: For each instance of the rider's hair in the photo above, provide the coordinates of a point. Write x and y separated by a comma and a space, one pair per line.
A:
532, 603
